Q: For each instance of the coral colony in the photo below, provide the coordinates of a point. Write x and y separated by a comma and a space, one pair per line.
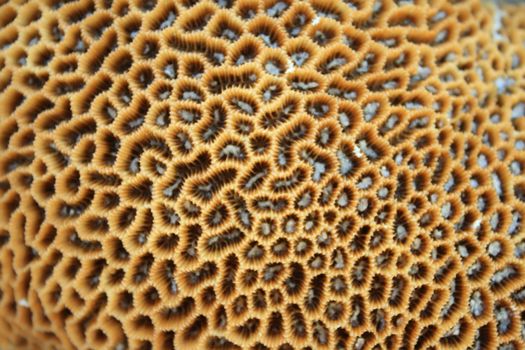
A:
262, 174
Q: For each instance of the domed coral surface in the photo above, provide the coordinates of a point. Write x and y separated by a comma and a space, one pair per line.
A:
262, 174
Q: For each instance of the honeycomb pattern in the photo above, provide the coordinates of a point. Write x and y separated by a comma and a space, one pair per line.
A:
262, 174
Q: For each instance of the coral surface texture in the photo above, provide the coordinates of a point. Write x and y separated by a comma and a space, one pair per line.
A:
262, 174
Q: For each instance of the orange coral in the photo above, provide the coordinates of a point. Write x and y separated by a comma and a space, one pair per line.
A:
262, 174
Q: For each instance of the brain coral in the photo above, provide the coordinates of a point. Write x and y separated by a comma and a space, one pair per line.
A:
262, 174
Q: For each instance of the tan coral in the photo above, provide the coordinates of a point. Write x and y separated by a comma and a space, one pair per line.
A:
262, 174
